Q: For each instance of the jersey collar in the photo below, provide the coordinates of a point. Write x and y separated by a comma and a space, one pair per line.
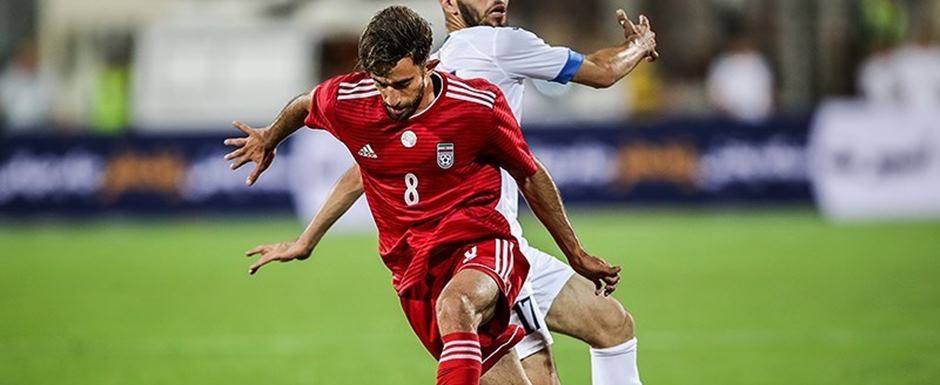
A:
438, 96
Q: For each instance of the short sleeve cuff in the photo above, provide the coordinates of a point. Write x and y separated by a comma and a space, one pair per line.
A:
571, 67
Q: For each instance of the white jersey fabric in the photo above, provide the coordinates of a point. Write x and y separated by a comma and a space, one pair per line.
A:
506, 56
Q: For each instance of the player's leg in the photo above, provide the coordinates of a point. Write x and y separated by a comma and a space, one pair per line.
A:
572, 309
507, 371
468, 300
473, 310
539, 367
535, 349
603, 323
600, 321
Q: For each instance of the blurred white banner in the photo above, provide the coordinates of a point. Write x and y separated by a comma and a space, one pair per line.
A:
875, 162
204, 75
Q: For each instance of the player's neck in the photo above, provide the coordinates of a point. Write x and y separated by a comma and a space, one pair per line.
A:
431, 93
454, 24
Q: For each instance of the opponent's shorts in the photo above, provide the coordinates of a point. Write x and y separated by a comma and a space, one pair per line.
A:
547, 276
502, 261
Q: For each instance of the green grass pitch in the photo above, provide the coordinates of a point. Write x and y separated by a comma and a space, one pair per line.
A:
754, 297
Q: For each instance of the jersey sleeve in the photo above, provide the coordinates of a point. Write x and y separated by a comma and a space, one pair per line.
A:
507, 146
322, 99
522, 54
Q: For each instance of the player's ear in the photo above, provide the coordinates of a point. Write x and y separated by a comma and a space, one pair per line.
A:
450, 7
432, 64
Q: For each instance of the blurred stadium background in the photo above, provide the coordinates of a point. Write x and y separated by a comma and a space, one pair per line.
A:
771, 186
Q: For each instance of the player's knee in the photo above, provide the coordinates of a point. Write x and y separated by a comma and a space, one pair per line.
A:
456, 313
615, 326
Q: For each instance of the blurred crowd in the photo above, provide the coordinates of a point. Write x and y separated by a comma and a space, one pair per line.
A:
907, 75
26, 92
744, 59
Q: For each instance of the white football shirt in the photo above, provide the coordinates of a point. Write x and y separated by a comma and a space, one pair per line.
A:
506, 56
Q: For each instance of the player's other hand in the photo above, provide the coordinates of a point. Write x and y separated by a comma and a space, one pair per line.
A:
253, 148
604, 276
281, 252
640, 35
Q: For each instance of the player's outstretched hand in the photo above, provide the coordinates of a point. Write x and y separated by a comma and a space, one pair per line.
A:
281, 252
641, 34
252, 148
604, 276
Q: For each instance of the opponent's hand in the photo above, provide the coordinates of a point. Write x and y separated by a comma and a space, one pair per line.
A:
252, 148
281, 252
640, 35
604, 276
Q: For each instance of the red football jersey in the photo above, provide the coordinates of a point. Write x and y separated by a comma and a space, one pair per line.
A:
432, 181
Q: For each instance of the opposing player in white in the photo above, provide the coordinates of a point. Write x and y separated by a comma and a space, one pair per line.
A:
479, 45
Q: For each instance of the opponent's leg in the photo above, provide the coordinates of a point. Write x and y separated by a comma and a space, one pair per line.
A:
468, 300
604, 324
506, 371
534, 350
540, 368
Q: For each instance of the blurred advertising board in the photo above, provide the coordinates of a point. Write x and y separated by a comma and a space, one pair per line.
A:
689, 161
876, 162
681, 161
163, 174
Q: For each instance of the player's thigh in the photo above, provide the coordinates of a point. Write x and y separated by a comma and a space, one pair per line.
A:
507, 371
540, 368
578, 312
468, 300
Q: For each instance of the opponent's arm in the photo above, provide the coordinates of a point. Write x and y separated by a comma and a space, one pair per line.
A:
544, 199
607, 66
346, 191
260, 144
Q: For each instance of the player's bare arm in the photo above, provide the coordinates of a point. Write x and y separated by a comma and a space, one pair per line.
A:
260, 143
607, 66
344, 194
543, 197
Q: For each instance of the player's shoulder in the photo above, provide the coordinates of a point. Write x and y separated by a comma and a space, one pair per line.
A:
477, 91
514, 42
514, 38
496, 41
517, 32
489, 33
349, 86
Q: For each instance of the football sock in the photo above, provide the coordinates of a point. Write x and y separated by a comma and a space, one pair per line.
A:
460, 362
615, 365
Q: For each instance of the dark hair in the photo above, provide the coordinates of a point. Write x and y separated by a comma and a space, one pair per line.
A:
393, 34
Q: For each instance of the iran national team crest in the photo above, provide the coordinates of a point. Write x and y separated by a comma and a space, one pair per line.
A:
445, 155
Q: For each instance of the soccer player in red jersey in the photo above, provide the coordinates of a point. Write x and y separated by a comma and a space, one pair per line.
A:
480, 44
429, 148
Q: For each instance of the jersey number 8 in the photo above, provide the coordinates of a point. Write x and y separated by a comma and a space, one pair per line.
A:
411, 189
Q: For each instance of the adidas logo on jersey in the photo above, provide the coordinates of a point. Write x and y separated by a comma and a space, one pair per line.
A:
470, 254
366, 151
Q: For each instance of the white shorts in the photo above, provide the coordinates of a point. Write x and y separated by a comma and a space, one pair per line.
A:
547, 276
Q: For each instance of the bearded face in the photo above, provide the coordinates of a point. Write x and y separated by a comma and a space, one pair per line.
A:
402, 88
484, 12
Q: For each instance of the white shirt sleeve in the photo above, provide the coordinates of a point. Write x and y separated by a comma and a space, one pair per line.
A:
522, 54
